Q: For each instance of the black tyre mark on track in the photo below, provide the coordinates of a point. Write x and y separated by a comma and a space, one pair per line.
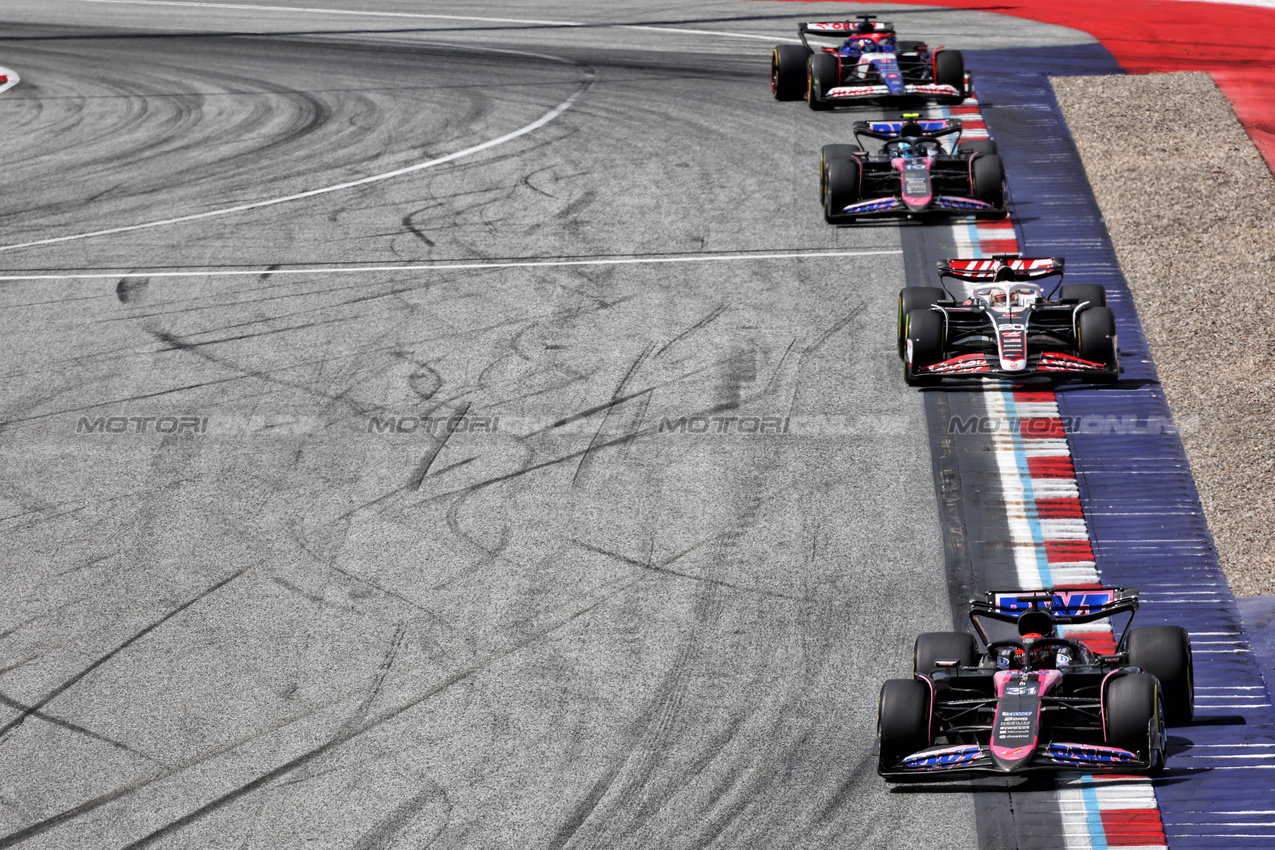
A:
702, 323
132, 639
390, 830
422, 469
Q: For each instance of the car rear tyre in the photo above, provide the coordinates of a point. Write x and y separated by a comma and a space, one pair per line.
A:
980, 146
915, 298
987, 184
1165, 652
1133, 716
1076, 292
924, 336
943, 646
787, 71
842, 189
1096, 336
826, 155
903, 720
949, 70
821, 75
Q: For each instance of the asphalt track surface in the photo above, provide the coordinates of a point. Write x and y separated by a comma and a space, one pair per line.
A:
555, 626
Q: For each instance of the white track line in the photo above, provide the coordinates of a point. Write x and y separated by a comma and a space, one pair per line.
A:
427, 16
375, 178
317, 270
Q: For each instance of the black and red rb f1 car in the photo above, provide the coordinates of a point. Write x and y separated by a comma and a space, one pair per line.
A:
870, 64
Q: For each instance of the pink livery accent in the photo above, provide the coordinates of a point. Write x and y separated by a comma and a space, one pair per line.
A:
1016, 729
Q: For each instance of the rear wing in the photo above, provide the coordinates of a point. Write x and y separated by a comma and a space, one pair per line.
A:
894, 129
985, 271
865, 25
912, 126
845, 29
1065, 605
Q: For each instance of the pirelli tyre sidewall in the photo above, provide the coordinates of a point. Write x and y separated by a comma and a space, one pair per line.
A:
1075, 293
821, 75
980, 146
1096, 336
915, 298
1165, 652
1133, 716
987, 184
932, 647
842, 189
903, 720
923, 344
949, 70
788, 72
826, 155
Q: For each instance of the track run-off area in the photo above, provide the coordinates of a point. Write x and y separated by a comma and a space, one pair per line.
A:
460, 429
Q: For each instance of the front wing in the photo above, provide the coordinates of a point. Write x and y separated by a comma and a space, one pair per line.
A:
963, 760
870, 92
1049, 363
895, 205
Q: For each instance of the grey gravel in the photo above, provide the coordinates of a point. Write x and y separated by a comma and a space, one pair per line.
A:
1192, 228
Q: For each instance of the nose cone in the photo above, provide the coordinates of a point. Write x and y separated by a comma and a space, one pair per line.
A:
1013, 353
888, 68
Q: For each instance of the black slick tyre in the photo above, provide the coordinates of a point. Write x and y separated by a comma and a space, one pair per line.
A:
1095, 294
932, 647
1096, 335
787, 72
903, 720
826, 155
987, 184
979, 146
1165, 652
915, 298
924, 338
949, 70
821, 76
841, 190
1133, 716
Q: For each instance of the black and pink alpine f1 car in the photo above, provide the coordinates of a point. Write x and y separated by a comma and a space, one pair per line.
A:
921, 169
1007, 326
1038, 700
870, 64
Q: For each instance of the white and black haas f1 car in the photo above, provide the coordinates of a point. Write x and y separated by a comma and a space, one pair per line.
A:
922, 169
1037, 701
870, 64
1008, 328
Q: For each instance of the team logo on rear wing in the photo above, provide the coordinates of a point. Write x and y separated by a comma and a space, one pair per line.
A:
1067, 603
893, 128
843, 27
1025, 268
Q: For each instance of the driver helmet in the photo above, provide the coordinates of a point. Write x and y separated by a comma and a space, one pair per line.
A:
852, 47
1011, 658
908, 149
1050, 657
997, 297
1024, 298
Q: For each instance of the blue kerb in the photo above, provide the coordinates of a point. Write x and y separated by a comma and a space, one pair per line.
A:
1147, 528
